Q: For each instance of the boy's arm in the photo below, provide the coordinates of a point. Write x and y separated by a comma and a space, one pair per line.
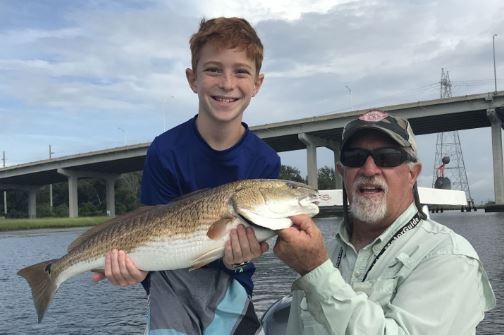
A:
156, 188
120, 270
159, 186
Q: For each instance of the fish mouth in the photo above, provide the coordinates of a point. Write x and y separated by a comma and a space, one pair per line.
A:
309, 201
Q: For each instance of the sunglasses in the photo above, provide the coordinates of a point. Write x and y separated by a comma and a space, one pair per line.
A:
383, 157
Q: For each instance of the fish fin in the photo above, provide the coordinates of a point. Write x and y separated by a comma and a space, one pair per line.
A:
218, 228
270, 223
42, 285
102, 226
207, 258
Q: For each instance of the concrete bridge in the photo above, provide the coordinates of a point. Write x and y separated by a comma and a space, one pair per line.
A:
426, 117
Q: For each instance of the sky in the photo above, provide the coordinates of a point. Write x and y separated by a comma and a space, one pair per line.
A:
88, 75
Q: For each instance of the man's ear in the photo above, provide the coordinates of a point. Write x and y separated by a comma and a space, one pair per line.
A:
258, 83
191, 79
415, 173
340, 168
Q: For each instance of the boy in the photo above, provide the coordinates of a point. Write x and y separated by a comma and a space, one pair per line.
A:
213, 148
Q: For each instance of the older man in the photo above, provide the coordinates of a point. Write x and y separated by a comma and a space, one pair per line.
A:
390, 269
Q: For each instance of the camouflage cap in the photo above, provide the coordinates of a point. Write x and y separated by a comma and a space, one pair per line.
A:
396, 128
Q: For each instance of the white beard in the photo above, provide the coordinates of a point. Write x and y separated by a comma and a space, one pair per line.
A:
365, 209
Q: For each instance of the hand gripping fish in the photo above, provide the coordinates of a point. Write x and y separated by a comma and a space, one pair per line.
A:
187, 233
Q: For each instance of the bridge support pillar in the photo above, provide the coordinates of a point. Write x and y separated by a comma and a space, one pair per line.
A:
32, 203
5, 203
498, 161
73, 198
311, 157
32, 197
73, 201
110, 190
337, 177
312, 142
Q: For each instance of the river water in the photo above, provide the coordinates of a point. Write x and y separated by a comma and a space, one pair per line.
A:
84, 307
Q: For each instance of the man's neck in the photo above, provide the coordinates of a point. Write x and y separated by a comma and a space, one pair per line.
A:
365, 233
220, 135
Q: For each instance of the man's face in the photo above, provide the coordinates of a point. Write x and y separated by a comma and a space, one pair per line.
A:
377, 194
225, 81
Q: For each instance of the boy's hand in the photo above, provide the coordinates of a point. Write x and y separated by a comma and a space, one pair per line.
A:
242, 246
120, 270
301, 246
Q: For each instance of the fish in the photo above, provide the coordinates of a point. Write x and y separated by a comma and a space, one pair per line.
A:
188, 232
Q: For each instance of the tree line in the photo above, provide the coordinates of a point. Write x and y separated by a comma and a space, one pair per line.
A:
92, 195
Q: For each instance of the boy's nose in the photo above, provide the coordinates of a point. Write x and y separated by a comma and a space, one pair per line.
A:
226, 81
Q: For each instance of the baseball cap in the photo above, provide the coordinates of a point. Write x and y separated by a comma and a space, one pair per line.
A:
396, 128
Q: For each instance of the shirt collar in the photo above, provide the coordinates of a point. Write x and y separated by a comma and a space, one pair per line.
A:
378, 243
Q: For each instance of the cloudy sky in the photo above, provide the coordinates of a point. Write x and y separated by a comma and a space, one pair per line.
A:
89, 75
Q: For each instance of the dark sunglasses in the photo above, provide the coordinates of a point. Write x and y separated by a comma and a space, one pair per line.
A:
383, 157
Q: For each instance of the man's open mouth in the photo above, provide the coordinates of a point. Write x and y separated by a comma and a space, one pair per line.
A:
370, 189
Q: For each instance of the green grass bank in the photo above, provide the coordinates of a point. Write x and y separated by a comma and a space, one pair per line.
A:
21, 224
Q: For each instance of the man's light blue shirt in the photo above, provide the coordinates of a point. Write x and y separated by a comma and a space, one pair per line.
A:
428, 281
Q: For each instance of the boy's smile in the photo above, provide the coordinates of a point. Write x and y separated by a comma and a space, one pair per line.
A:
225, 81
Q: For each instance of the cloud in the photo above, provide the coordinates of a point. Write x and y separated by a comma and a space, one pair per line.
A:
73, 72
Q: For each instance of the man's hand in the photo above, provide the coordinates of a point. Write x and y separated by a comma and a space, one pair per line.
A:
120, 270
301, 246
242, 246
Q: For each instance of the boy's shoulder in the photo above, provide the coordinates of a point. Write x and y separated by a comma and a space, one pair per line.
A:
182, 129
257, 144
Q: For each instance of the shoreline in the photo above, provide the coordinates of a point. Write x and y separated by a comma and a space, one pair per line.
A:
11, 225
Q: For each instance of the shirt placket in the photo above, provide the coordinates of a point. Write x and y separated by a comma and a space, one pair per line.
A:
363, 258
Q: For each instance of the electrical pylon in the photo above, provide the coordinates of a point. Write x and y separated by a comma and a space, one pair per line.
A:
449, 168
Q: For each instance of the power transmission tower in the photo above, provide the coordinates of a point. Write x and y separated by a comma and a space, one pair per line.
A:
449, 168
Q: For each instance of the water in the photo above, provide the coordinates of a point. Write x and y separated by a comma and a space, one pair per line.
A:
84, 307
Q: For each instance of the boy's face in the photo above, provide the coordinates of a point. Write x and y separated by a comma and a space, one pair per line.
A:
225, 81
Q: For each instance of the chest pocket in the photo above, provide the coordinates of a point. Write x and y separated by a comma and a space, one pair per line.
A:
380, 290
383, 289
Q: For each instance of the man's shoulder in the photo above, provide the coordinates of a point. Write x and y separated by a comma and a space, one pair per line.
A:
446, 241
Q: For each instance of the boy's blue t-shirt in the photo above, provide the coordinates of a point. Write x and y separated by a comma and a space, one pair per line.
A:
179, 161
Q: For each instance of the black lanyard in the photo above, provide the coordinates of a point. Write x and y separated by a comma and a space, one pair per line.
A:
408, 226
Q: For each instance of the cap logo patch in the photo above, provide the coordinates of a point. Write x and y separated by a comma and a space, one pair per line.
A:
373, 116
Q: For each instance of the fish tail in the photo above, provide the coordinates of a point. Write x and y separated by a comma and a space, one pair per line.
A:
42, 284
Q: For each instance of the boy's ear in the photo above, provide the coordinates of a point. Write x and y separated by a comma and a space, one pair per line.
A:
258, 83
191, 79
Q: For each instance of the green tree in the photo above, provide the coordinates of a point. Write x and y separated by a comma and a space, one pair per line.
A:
290, 173
128, 192
327, 178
